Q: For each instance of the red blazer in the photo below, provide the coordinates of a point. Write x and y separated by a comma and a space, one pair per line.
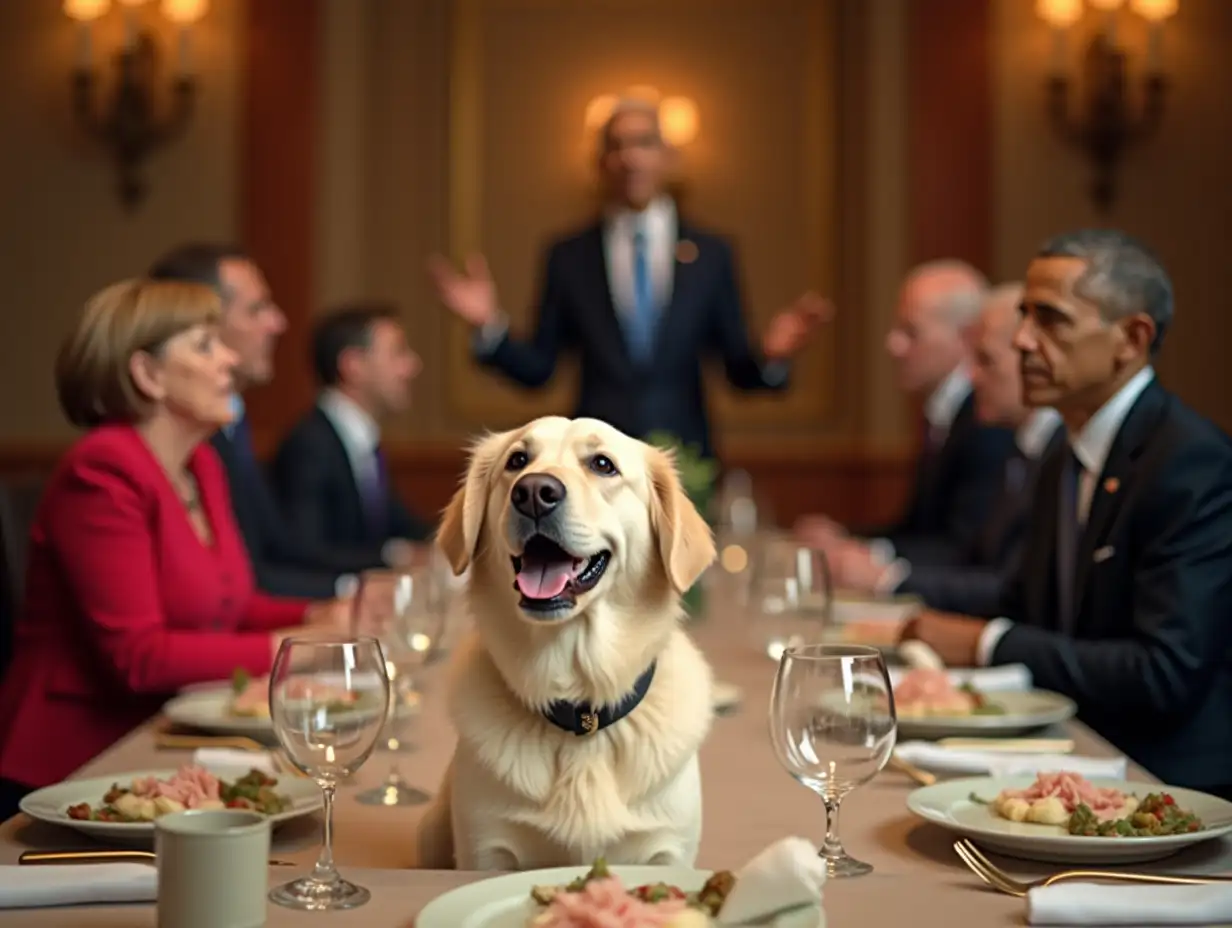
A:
124, 605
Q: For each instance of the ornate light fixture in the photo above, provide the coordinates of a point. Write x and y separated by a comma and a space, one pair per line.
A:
678, 118
128, 124
1105, 126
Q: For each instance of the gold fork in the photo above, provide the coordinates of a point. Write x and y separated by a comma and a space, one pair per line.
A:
923, 777
998, 879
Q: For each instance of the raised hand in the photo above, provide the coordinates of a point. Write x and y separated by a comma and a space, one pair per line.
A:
470, 294
791, 329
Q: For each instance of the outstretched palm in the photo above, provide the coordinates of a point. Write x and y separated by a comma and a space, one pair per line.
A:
470, 294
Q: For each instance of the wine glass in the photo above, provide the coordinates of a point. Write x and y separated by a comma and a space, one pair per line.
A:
833, 726
328, 700
405, 606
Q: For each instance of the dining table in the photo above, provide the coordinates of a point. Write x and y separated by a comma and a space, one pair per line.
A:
749, 802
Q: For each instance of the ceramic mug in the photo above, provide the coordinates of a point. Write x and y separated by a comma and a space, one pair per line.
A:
212, 868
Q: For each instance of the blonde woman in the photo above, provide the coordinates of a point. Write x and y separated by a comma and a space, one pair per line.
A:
138, 582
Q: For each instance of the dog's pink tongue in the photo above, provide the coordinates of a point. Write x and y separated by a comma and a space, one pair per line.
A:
544, 581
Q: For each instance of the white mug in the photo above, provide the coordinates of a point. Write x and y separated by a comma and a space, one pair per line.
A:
212, 868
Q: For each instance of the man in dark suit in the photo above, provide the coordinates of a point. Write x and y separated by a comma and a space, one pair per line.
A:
284, 564
974, 585
330, 474
1123, 596
958, 473
642, 296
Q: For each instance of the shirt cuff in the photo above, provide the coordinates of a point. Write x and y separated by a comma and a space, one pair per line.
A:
882, 551
345, 586
990, 637
487, 337
775, 373
893, 576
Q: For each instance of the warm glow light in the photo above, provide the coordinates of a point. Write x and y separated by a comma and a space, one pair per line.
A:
84, 11
598, 111
678, 120
1155, 11
1106, 5
131, 2
1060, 14
185, 12
643, 92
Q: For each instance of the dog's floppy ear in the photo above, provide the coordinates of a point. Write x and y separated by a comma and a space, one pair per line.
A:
686, 545
462, 521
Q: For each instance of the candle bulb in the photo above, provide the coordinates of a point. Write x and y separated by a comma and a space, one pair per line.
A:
85, 53
130, 28
185, 59
1059, 51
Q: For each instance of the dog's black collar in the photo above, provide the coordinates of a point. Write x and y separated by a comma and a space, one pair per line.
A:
584, 719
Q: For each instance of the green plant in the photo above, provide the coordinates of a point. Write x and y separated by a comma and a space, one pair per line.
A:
697, 472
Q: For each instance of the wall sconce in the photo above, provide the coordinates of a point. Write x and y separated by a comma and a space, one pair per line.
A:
1105, 126
678, 116
128, 124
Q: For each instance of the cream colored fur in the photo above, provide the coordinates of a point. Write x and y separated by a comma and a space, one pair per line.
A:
521, 793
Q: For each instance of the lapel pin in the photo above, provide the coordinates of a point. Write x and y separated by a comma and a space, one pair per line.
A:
1111, 485
686, 251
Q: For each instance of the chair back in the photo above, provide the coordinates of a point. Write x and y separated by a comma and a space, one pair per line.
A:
19, 501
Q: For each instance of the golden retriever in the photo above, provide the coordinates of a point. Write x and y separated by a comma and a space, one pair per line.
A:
579, 541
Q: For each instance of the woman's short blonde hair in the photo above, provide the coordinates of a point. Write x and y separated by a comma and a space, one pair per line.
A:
93, 379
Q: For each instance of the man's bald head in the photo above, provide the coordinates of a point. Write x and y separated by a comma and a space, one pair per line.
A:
995, 363
938, 302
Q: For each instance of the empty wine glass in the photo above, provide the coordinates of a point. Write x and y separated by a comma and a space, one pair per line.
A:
833, 727
328, 700
405, 605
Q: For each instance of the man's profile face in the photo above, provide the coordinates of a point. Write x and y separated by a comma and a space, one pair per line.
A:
996, 378
384, 369
634, 159
924, 342
251, 322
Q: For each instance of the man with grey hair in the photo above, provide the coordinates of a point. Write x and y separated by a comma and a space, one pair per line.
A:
958, 472
641, 296
1122, 599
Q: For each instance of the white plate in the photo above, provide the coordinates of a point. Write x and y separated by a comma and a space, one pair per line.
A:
893, 611
50, 803
1024, 712
949, 805
504, 901
210, 710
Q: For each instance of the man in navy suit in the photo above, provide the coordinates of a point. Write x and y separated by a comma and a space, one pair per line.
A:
1122, 600
642, 296
284, 563
330, 472
958, 472
975, 584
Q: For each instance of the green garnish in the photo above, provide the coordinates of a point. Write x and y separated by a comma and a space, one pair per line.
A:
983, 802
239, 680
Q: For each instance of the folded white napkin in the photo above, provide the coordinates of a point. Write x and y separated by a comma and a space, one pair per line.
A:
32, 887
785, 875
1138, 906
946, 760
227, 758
1008, 678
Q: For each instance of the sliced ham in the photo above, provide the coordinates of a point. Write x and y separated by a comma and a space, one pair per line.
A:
931, 692
191, 786
607, 904
1072, 790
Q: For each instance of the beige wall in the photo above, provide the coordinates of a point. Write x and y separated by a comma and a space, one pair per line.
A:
448, 124
63, 233
1174, 189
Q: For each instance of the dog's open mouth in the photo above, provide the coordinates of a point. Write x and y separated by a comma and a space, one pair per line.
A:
551, 579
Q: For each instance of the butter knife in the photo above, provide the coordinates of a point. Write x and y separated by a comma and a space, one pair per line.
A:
1010, 745
102, 857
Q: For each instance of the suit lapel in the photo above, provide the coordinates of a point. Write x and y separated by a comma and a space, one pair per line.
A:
343, 460
1111, 488
687, 262
598, 292
1041, 566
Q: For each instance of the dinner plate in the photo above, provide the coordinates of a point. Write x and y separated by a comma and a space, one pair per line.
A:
210, 710
505, 902
1024, 712
50, 804
950, 805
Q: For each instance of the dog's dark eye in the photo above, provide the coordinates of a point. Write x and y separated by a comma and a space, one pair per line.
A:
517, 460
602, 465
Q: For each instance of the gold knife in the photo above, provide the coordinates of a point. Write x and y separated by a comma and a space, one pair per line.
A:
1011, 745
192, 742
102, 857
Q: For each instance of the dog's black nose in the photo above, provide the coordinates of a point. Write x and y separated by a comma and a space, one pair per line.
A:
537, 495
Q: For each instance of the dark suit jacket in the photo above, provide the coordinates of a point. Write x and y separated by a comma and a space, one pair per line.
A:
954, 488
976, 586
577, 313
284, 563
1148, 659
320, 498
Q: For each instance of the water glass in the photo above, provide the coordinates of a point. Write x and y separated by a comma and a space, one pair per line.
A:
328, 700
833, 727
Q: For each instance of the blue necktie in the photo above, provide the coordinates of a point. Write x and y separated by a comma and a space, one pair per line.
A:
1068, 533
640, 327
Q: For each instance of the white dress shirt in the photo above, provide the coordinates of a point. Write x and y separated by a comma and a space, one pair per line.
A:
1091, 447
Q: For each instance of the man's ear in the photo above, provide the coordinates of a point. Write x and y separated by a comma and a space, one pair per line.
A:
462, 522
686, 544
